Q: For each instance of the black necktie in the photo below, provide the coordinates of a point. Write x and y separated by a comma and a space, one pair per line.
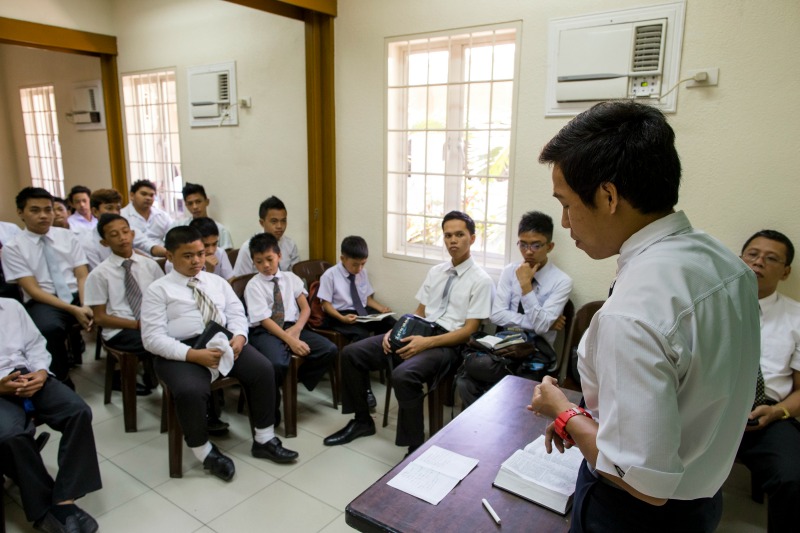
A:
761, 397
358, 307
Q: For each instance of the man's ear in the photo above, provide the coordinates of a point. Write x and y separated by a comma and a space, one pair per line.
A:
786, 271
104, 243
472, 239
607, 197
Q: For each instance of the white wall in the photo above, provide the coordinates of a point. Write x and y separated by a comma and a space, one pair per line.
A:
84, 15
737, 141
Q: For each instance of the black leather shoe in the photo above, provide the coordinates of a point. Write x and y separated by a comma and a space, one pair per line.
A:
85, 521
50, 524
217, 427
274, 451
371, 401
350, 432
219, 465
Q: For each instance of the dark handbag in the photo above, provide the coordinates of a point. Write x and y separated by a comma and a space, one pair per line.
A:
409, 325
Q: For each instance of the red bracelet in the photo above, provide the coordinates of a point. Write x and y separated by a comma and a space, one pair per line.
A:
563, 418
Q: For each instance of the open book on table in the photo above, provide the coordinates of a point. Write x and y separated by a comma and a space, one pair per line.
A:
545, 479
373, 318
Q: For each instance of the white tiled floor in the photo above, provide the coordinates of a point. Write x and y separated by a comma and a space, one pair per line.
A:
307, 496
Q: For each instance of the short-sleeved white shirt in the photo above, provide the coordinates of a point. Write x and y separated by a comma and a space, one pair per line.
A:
8, 231
668, 364
334, 287
78, 224
149, 232
780, 344
106, 285
259, 296
289, 257
471, 293
24, 256
95, 252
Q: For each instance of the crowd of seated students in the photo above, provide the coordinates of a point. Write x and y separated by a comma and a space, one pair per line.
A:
102, 272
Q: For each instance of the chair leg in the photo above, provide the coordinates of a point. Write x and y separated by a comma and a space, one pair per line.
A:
128, 364
175, 437
388, 399
98, 345
290, 398
164, 415
335, 373
435, 411
111, 362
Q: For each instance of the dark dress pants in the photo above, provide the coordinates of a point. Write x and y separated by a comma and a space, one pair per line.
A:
773, 457
55, 325
78, 474
599, 507
190, 386
408, 378
315, 364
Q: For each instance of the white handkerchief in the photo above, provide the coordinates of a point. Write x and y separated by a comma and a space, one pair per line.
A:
221, 342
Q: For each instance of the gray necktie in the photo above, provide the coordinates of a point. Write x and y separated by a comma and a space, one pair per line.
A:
452, 273
207, 308
358, 307
278, 312
132, 291
60, 284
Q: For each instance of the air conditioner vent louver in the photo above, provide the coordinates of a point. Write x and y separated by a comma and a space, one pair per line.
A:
92, 100
224, 93
647, 48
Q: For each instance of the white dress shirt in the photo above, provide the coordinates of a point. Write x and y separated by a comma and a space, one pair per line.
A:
334, 287
24, 256
668, 364
471, 293
8, 231
106, 286
259, 296
223, 268
289, 257
170, 313
78, 224
780, 344
23, 344
225, 240
95, 252
543, 305
149, 232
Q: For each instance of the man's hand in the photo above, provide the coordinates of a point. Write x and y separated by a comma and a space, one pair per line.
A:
237, 343
525, 274
348, 319
298, 347
9, 384
559, 324
551, 437
387, 348
766, 415
84, 316
416, 344
548, 400
294, 331
31, 383
205, 357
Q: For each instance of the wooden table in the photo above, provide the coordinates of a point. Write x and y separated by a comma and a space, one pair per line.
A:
490, 430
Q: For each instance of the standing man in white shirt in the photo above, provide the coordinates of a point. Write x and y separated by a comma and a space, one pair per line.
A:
771, 441
149, 222
82, 218
667, 363
456, 295
49, 264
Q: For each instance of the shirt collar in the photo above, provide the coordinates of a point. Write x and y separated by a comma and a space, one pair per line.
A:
343, 271
463, 267
36, 236
768, 302
652, 233
117, 260
278, 275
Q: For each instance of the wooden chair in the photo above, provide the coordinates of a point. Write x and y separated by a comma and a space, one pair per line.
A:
171, 424
128, 362
579, 326
233, 255
162, 262
290, 380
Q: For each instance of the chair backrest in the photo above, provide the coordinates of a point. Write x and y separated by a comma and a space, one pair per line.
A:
310, 270
563, 335
162, 262
579, 326
232, 255
239, 284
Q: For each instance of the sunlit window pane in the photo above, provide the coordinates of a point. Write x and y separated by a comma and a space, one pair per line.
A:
41, 138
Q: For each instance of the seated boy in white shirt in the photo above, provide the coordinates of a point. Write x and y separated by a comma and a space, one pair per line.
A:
272, 216
102, 201
197, 202
114, 289
49, 264
278, 310
217, 261
82, 217
175, 311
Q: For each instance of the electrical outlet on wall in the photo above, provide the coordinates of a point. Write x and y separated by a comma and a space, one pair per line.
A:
712, 78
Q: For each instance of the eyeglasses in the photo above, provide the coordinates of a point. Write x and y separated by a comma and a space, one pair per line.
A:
750, 257
533, 247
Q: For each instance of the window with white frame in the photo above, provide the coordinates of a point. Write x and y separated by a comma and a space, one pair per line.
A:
450, 105
151, 130
41, 138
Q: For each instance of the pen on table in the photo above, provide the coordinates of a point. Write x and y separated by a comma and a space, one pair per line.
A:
491, 511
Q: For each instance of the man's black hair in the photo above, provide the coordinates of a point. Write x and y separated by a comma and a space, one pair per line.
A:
143, 183
104, 196
273, 202
29, 193
625, 143
63, 202
193, 188
537, 222
264, 242
355, 247
180, 235
77, 190
205, 225
776, 236
458, 215
106, 219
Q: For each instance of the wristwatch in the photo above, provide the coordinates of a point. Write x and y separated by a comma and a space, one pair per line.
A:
563, 418
786, 413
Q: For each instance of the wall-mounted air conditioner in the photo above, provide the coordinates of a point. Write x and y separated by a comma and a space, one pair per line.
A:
87, 112
633, 53
212, 89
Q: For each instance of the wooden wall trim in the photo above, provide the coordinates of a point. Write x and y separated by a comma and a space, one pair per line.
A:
114, 129
295, 9
55, 38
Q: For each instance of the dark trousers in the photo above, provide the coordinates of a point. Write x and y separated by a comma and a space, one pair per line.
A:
190, 386
408, 378
359, 331
314, 364
773, 457
600, 507
55, 325
78, 474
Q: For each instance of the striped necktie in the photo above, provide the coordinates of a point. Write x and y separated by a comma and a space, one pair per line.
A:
207, 308
132, 291
278, 312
